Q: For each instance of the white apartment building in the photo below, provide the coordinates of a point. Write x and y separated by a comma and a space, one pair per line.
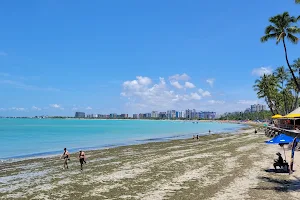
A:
154, 114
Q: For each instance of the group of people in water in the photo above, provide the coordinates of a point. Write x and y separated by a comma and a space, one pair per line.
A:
66, 157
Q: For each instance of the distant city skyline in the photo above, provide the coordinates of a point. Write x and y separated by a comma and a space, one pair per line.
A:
169, 114
135, 57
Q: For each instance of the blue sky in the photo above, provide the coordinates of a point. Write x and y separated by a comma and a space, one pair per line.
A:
57, 57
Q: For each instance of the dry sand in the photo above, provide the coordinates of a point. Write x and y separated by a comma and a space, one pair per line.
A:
225, 166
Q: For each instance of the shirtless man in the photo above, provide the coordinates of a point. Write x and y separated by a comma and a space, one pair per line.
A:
81, 158
66, 157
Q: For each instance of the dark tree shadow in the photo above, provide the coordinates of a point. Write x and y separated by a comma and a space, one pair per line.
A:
280, 185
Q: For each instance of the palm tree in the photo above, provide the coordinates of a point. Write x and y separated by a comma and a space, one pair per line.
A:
266, 87
282, 27
297, 1
282, 76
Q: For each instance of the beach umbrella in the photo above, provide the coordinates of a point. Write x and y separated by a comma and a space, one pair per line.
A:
295, 115
276, 116
281, 139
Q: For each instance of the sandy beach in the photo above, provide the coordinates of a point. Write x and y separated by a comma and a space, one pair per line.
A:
224, 166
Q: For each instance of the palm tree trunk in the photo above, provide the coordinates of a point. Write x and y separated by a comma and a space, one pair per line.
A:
284, 100
270, 105
296, 102
287, 61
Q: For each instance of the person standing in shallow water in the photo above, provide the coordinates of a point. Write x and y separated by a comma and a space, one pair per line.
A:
66, 157
81, 158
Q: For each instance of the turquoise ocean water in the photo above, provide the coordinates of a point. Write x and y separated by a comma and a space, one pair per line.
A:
21, 138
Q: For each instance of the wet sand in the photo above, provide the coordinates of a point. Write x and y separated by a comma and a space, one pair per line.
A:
224, 166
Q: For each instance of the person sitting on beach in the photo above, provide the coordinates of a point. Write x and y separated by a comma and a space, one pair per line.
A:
81, 158
66, 157
197, 137
209, 131
193, 137
279, 161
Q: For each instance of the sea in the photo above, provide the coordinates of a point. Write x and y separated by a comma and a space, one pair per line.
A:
26, 138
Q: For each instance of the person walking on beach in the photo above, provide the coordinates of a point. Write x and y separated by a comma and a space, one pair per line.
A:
81, 159
66, 157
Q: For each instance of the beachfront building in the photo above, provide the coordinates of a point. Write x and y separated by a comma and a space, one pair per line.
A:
171, 114
89, 116
209, 115
135, 116
154, 114
162, 115
113, 115
100, 116
147, 115
124, 116
191, 114
179, 114
183, 114
257, 108
79, 115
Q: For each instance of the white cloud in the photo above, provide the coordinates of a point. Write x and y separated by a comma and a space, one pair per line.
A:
55, 106
261, 71
195, 96
2, 109
144, 80
189, 85
204, 93
35, 108
2, 53
178, 77
216, 102
176, 84
210, 81
247, 102
157, 96
89, 108
74, 109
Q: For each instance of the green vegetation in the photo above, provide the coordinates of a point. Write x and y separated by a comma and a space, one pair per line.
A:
281, 89
247, 116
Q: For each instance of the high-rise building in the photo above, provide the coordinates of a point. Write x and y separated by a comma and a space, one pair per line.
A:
124, 116
183, 114
79, 115
257, 108
147, 115
113, 115
191, 114
162, 115
135, 116
154, 114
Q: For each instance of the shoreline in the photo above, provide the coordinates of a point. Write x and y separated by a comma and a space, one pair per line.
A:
116, 145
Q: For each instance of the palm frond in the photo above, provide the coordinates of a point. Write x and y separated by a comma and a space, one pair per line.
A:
265, 38
293, 29
297, 1
292, 38
271, 29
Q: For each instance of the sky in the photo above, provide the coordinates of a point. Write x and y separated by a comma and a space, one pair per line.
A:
59, 57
